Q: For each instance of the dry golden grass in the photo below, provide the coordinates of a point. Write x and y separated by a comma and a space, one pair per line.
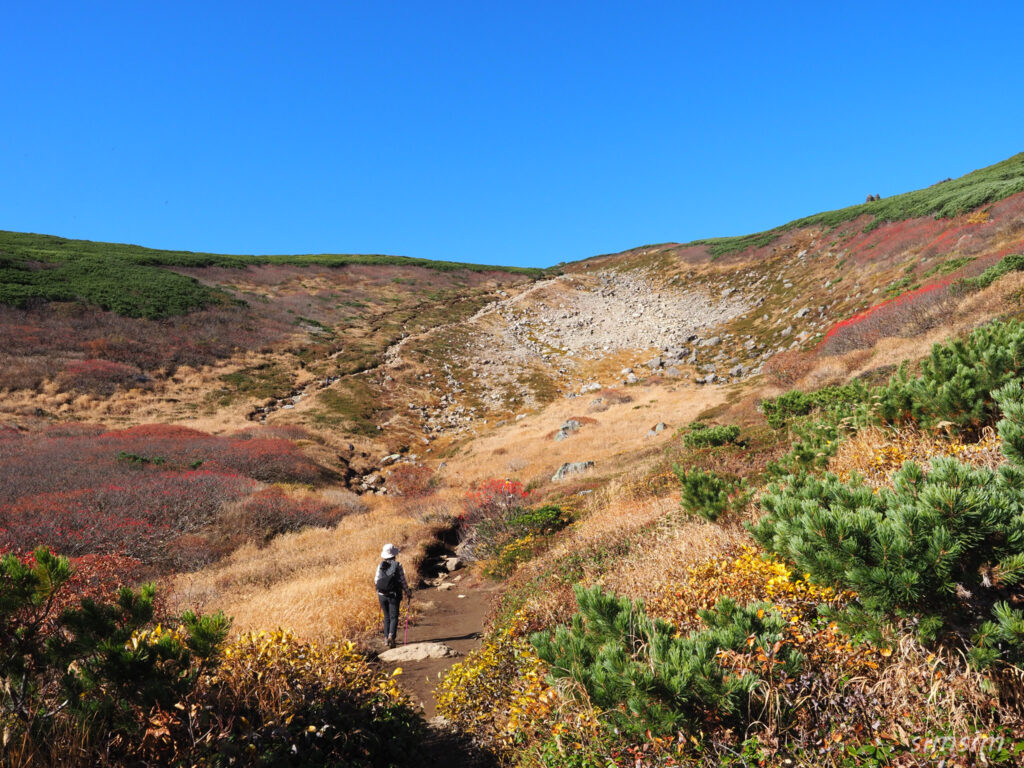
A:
317, 582
876, 453
615, 443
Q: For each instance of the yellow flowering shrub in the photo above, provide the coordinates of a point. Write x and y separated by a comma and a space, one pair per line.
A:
276, 699
499, 695
875, 454
746, 577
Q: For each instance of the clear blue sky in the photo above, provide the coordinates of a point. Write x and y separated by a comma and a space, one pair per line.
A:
521, 133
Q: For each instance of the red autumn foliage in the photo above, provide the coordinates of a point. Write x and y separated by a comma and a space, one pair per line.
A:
492, 499
787, 368
412, 481
272, 512
100, 377
911, 312
146, 492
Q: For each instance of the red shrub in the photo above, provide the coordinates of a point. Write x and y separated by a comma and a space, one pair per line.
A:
272, 512
136, 519
787, 368
493, 499
100, 377
910, 313
411, 480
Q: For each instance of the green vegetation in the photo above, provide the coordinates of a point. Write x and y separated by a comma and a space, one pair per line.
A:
1012, 263
133, 281
350, 403
258, 381
780, 410
646, 678
942, 200
89, 664
703, 436
945, 546
709, 494
946, 267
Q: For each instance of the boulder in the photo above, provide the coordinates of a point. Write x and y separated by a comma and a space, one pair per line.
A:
390, 459
631, 379
452, 563
654, 363
416, 652
571, 468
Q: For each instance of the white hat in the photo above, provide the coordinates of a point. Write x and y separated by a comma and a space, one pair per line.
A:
389, 551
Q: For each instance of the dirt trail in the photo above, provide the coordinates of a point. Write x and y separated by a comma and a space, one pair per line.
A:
455, 618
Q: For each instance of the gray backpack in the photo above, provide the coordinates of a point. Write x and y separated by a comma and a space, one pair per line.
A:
387, 582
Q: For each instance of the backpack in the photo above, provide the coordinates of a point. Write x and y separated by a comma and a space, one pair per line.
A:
387, 583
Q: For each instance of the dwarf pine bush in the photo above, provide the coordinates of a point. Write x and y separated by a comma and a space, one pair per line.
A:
945, 545
647, 678
957, 380
703, 436
709, 494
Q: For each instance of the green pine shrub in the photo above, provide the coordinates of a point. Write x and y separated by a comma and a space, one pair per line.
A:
704, 436
945, 545
956, 380
92, 669
1012, 263
779, 411
709, 494
646, 678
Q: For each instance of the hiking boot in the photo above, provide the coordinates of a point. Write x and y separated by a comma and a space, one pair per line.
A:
390, 642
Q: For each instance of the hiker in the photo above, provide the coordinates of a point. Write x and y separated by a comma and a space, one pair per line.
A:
390, 582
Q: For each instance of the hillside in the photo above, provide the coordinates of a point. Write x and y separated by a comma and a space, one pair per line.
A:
675, 424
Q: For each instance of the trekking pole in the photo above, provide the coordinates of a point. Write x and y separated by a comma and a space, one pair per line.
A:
408, 607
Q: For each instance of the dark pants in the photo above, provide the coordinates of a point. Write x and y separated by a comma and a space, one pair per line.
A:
389, 607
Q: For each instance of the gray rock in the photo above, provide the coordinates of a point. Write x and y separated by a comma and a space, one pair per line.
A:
802, 313
571, 468
416, 652
787, 330
654, 363
631, 379
390, 459
592, 387
673, 372
737, 370
711, 342
452, 564
571, 425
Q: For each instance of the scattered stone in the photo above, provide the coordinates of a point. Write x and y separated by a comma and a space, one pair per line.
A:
711, 342
657, 429
390, 459
452, 563
802, 313
592, 387
787, 330
417, 652
737, 370
673, 372
571, 468
654, 363
631, 379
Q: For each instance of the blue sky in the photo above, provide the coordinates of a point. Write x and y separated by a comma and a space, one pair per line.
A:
517, 133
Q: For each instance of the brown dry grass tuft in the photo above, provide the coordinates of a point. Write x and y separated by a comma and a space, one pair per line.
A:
317, 582
875, 453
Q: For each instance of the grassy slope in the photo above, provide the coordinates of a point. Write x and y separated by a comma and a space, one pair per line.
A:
131, 280
942, 200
